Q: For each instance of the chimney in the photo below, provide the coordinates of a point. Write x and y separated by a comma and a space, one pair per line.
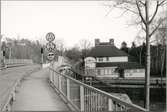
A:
111, 41
97, 42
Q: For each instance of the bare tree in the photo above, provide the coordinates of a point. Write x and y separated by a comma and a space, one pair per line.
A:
85, 46
60, 46
146, 11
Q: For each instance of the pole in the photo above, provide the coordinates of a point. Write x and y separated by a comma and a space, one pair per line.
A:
147, 74
10, 54
42, 59
0, 51
42, 51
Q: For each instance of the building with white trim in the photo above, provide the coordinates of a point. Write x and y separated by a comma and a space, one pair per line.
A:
106, 60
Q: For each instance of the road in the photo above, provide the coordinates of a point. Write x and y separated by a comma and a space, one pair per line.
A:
35, 94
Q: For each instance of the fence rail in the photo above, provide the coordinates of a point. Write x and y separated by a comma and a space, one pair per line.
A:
14, 62
85, 98
18, 61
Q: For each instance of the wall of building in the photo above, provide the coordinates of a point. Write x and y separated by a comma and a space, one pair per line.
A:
112, 59
110, 72
90, 62
106, 72
134, 73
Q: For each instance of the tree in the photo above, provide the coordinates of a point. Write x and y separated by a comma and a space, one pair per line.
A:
133, 45
142, 9
85, 46
124, 47
73, 54
60, 46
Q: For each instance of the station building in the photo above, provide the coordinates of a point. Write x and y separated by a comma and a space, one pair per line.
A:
106, 60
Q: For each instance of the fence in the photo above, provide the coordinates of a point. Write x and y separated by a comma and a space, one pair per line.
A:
85, 98
18, 61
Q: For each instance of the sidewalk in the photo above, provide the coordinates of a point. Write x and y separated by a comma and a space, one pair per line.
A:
35, 94
9, 79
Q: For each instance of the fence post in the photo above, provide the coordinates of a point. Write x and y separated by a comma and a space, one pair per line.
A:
53, 77
110, 105
81, 98
68, 88
50, 73
59, 82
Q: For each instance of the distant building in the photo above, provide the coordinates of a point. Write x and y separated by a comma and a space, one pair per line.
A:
106, 60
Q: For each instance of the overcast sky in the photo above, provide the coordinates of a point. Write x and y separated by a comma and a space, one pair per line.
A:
70, 21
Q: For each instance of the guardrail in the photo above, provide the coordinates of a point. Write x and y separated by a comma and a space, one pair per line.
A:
18, 61
14, 62
84, 98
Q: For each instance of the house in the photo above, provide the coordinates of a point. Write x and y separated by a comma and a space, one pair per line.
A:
106, 60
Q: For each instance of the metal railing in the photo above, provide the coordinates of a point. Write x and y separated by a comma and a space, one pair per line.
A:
18, 61
14, 62
85, 98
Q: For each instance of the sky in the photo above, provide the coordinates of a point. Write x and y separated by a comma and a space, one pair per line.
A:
70, 21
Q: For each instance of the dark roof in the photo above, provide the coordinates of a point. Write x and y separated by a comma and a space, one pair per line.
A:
124, 65
106, 51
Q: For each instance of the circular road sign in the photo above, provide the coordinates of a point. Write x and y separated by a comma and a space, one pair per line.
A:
50, 36
50, 46
50, 56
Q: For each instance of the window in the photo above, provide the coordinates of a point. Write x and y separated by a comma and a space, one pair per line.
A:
106, 71
107, 58
98, 71
102, 71
109, 71
100, 59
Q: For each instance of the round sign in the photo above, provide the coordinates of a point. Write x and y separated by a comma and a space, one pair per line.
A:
50, 46
50, 56
50, 36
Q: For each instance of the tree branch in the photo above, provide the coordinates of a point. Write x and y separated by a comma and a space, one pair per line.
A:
155, 12
155, 29
162, 3
139, 10
142, 3
143, 27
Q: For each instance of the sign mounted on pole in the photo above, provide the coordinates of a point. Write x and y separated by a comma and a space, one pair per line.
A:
50, 36
50, 56
50, 46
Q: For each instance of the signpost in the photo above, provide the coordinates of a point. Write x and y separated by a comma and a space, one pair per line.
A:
50, 36
50, 56
50, 46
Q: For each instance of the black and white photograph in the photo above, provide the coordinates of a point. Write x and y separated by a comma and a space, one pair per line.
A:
83, 55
